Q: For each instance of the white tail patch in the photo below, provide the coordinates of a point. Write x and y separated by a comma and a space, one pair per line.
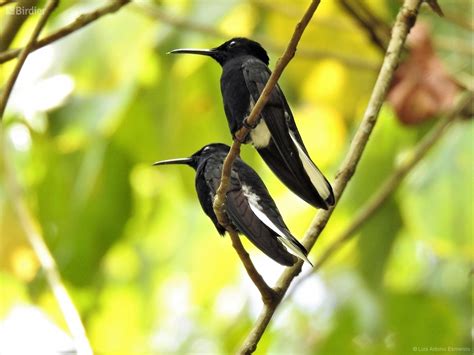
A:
316, 177
256, 209
260, 135
294, 249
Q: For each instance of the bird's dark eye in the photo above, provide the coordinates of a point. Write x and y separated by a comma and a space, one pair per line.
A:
231, 44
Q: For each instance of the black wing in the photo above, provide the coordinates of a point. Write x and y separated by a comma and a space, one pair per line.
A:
242, 217
204, 174
273, 159
235, 96
284, 152
263, 206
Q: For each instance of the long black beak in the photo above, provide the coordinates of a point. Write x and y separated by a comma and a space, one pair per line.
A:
207, 52
183, 161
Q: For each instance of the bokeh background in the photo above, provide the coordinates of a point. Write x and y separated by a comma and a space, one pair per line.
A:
146, 268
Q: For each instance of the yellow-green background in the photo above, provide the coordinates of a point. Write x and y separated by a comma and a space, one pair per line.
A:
144, 265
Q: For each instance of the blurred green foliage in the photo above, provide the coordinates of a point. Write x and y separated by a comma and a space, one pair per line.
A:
147, 270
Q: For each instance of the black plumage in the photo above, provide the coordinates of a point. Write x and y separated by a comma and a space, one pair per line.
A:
249, 206
244, 75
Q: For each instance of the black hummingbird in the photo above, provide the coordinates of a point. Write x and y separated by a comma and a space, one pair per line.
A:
249, 206
244, 75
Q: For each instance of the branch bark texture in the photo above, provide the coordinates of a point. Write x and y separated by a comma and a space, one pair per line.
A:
257, 109
49, 8
80, 22
388, 187
404, 22
14, 21
268, 295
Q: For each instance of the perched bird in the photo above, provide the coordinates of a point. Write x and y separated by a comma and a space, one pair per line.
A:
244, 75
249, 206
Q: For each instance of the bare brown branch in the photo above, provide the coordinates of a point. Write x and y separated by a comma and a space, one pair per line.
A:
405, 20
388, 187
377, 30
80, 22
6, 2
261, 102
49, 8
219, 200
15, 19
269, 296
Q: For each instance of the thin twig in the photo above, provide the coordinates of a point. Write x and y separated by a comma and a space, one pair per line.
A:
390, 184
6, 2
268, 294
252, 118
80, 22
48, 264
435, 7
220, 197
405, 20
219, 200
15, 19
377, 30
49, 8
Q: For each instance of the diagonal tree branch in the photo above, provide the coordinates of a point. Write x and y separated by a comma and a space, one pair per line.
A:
377, 30
388, 187
405, 20
80, 22
268, 294
49, 8
15, 19
281, 64
219, 200
46, 260
6, 2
